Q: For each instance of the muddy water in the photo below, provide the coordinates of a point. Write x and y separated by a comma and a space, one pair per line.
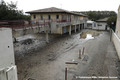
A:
89, 34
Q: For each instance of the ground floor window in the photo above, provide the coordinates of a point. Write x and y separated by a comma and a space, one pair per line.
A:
49, 17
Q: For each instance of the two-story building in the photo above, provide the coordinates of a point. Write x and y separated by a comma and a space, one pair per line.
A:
59, 21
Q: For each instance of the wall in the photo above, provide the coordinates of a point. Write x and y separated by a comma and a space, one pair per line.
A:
116, 35
54, 27
116, 41
75, 19
102, 27
118, 24
58, 28
62, 16
8, 70
30, 30
6, 48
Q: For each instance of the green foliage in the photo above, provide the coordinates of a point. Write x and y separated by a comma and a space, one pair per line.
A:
8, 11
95, 15
112, 22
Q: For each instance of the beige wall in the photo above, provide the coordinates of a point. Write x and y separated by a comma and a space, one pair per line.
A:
118, 24
62, 16
116, 35
116, 41
45, 16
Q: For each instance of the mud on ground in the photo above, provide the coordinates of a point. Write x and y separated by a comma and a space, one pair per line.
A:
38, 60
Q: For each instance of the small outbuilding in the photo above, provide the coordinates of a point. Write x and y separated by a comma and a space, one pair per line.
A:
91, 24
101, 24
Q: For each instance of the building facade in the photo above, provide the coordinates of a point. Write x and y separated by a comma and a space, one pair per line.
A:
59, 21
101, 24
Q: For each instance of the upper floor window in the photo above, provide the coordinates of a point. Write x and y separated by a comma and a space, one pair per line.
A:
41, 17
57, 16
49, 17
34, 16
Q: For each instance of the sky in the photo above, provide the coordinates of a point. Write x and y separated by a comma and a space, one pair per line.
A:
71, 5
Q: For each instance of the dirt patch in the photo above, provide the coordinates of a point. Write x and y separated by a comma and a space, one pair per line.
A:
93, 33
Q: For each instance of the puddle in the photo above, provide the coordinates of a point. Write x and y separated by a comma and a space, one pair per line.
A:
89, 35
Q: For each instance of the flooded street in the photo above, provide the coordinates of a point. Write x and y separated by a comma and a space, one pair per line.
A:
37, 60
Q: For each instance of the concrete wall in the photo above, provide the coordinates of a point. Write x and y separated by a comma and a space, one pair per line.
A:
118, 24
8, 70
116, 41
30, 30
54, 28
116, 35
6, 48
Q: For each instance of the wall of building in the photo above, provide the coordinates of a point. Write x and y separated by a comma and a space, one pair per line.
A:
62, 27
118, 24
100, 26
116, 35
75, 19
62, 16
116, 41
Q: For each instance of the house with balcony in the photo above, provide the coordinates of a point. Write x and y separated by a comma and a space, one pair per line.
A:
58, 21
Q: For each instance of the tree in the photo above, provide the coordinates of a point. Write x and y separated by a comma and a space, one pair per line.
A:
95, 15
8, 11
112, 22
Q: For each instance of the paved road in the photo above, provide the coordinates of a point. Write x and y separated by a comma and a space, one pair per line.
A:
48, 63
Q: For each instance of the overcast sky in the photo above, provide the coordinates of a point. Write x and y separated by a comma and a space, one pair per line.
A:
71, 5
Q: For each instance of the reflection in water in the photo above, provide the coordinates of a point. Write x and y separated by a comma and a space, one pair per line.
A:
89, 36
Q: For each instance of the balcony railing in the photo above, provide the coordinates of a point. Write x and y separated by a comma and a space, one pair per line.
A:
18, 24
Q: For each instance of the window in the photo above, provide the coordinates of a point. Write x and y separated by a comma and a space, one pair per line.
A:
49, 17
99, 25
34, 16
94, 24
57, 16
41, 17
